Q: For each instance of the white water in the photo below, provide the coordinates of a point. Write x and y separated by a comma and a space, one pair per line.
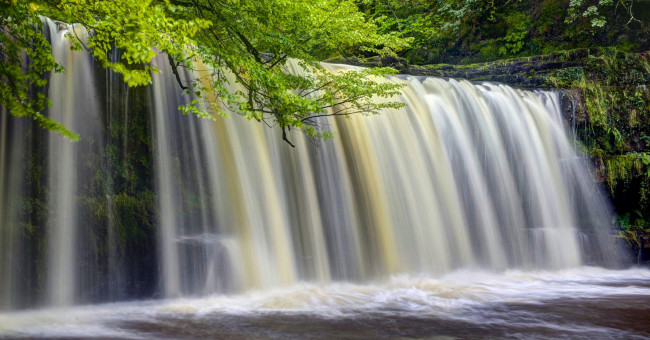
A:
77, 108
467, 297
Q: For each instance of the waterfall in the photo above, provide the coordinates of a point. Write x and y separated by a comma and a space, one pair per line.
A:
467, 175
11, 255
76, 106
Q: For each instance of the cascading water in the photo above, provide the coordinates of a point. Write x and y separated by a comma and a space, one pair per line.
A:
63, 172
10, 184
59, 241
465, 176
76, 107
479, 176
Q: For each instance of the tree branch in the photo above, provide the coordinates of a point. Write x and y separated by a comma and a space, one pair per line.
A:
284, 137
175, 71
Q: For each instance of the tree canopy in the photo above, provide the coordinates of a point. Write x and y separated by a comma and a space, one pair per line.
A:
470, 31
249, 42
250, 39
20, 40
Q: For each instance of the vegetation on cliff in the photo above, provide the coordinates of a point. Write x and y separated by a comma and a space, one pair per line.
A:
611, 118
462, 32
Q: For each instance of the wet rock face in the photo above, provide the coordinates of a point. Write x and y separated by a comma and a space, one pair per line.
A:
394, 62
530, 72
572, 107
522, 72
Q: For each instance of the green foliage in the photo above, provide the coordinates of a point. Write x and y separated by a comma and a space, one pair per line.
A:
624, 167
434, 26
139, 28
20, 42
470, 31
631, 221
633, 225
588, 10
516, 34
243, 44
618, 108
135, 215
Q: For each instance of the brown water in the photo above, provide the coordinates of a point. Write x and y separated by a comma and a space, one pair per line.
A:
584, 303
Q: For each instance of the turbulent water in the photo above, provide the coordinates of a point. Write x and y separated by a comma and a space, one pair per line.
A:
468, 211
582, 303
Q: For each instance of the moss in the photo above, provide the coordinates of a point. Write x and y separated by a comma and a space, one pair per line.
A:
624, 167
134, 214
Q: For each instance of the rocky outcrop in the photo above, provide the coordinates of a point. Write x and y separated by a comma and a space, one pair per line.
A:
530, 72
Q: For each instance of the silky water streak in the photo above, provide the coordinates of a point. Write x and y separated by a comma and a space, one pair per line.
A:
465, 176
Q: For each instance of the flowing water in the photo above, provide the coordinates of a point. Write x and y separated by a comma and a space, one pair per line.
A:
466, 212
581, 303
467, 176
